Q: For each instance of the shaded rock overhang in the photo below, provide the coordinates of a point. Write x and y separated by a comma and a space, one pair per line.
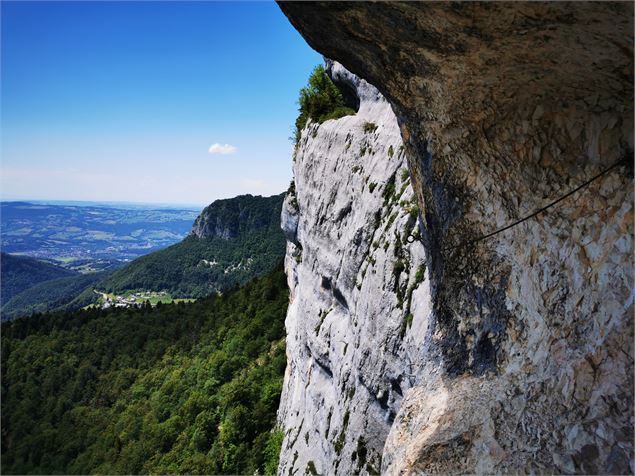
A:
503, 107
471, 82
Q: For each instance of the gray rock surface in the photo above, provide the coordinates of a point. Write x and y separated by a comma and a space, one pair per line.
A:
504, 107
354, 279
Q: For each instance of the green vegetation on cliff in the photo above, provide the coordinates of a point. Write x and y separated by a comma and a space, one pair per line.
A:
320, 101
185, 388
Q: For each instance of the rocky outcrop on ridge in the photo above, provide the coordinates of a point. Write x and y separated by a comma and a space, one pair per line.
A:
238, 216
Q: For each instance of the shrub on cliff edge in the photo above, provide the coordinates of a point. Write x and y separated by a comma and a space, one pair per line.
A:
319, 101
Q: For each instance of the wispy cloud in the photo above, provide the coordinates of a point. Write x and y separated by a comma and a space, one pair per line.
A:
223, 149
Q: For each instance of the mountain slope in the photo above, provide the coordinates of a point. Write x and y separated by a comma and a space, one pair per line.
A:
19, 273
232, 241
239, 216
188, 388
54, 295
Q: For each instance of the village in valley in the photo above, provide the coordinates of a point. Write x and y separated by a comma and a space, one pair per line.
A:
135, 299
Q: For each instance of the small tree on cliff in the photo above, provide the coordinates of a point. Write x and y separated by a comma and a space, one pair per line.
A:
319, 101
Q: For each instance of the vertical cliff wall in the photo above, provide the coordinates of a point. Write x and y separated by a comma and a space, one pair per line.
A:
503, 108
353, 344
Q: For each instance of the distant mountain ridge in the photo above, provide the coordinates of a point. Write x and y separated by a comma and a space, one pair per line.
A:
95, 234
232, 241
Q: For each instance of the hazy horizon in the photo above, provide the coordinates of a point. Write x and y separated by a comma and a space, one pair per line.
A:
113, 203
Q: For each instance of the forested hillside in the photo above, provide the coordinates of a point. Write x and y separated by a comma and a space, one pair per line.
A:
185, 388
21, 272
62, 294
232, 241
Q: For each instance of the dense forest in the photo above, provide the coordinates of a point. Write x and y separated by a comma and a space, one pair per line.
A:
182, 388
233, 240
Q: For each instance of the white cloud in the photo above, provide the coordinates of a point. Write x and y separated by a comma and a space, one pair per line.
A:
223, 149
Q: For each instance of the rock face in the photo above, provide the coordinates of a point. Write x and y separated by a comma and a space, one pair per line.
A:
353, 346
526, 360
238, 216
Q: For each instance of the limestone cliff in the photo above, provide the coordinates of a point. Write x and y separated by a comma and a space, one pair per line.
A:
523, 361
356, 282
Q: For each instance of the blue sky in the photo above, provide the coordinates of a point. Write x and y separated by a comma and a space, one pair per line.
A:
122, 101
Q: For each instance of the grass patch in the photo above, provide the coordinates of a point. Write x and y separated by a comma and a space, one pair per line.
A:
341, 439
272, 451
337, 113
361, 451
369, 127
310, 469
389, 190
405, 325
